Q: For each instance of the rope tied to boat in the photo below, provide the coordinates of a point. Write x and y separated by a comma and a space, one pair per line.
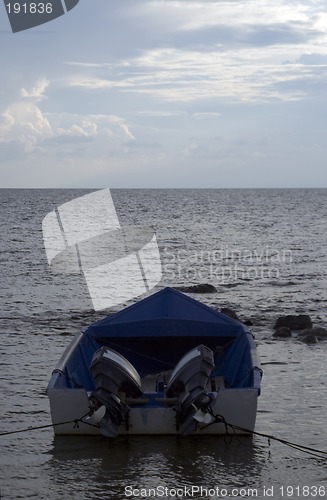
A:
76, 422
218, 419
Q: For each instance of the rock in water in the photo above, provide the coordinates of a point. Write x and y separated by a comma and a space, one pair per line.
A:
201, 288
282, 332
310, 338
294, 322
312, 335
321, 333
231, 313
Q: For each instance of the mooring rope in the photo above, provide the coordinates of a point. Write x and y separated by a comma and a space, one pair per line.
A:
305, 449
322, 455
46, 426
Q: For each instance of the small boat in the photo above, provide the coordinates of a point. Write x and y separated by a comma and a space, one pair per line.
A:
167, 364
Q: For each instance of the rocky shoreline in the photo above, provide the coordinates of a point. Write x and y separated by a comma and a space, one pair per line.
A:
299, 327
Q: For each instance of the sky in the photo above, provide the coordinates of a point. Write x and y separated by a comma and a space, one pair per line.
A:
167, 94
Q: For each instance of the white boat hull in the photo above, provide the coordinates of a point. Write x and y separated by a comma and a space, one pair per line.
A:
166, 365
237, 406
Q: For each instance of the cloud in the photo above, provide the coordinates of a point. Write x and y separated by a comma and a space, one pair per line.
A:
24, 122
90, 83
133, 87
211, 52
205, 115
85, 131
36, 93
230, 37
159, 113
124, 128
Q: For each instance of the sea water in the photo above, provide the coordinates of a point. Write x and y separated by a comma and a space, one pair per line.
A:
265, 252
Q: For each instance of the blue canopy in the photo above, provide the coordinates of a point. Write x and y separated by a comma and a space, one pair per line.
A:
166, 313
154, 334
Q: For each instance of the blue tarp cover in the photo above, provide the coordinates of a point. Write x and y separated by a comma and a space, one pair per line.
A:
166, 313
156, 332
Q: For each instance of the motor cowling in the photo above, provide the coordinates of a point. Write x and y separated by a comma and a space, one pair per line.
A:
113, 374
188, 381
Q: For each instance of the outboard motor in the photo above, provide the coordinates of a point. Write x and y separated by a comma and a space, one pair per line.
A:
188, 381
113, 374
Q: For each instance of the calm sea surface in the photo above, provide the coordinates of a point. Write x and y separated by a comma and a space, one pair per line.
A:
265, 252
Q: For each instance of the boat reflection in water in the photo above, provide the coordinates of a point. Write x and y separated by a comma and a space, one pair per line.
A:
106, 469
